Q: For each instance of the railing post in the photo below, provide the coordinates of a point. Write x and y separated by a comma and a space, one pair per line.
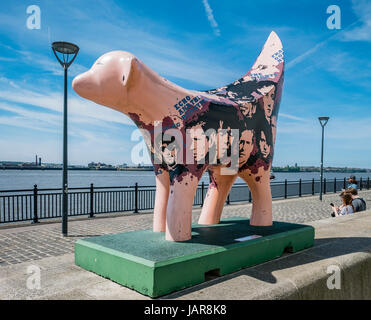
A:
299, 187
312, 186
91, 214
136, 198
324, 185
285, 188
360, 183
35, 217
228, 200
334, 185
202, 193
368, 183
344, 184
250, 198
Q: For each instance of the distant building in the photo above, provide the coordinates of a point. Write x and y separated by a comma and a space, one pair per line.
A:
99, 165
92, 165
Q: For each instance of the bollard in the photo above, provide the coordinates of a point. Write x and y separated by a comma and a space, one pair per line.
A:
285, 188
91, 214
334, 185
35, 217
299, 187
136, 198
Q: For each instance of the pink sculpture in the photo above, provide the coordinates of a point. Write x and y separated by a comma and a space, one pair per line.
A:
229, 131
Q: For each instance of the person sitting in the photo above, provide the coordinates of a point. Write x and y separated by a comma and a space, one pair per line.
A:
352, 182
358, 203
345, 208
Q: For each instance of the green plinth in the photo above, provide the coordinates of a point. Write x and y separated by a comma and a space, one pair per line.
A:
146, 262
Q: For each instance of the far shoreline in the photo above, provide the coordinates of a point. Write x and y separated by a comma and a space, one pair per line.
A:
79, 169
326, 170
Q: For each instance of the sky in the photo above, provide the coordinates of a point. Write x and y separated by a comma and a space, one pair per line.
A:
199, 45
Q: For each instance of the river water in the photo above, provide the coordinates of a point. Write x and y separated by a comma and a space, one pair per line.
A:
26, 179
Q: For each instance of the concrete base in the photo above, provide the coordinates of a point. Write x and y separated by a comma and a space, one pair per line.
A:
146, 262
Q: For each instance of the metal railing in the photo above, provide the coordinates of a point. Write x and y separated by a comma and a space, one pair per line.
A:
35, 204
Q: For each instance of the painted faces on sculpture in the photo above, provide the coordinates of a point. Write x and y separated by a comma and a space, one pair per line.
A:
168, 154
199, 143
268, 93
246, 146
248, 109
264, 147
223, 140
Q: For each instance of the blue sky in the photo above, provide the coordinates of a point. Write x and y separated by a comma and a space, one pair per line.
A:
198, 44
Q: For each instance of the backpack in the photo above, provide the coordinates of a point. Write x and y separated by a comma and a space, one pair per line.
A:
363, 202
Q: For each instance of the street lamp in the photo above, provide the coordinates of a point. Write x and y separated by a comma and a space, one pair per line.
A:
68, 53
323, 121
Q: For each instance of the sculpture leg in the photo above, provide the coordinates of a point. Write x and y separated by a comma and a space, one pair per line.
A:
216, 196
162, 195
259, 185
179, 209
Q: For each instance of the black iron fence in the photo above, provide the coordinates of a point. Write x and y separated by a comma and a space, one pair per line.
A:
35, 204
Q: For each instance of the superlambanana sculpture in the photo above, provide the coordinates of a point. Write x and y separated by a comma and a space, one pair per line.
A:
229, 131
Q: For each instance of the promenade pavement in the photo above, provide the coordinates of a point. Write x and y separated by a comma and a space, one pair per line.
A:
28, 242
43, 246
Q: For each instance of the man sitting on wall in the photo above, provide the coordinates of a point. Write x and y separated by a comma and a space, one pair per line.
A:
358, 203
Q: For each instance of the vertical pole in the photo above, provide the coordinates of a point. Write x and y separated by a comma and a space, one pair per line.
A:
368, 183
360, 183
312, 186
202, 193
65, 163
299, 187
136, 198
334, 185
35, 218
250, 197
91, 215
228, 199
321, 185
324, 185
344, 184
285, 188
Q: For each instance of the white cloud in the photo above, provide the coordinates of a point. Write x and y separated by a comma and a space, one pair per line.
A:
210, 17
289, 116
82, 111
48, 64
340, 35
362, 8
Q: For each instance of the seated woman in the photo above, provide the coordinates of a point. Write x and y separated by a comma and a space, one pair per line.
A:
345, 208
352, 182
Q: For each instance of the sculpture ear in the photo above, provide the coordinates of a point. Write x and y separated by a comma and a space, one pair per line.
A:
133, 74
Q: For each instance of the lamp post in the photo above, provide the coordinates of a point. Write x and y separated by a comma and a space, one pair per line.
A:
323, 121
68, 53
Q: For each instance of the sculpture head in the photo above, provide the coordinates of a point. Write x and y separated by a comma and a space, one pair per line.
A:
107, 81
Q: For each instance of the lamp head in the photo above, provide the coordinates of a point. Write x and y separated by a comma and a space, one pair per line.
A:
68, 50
323, 120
